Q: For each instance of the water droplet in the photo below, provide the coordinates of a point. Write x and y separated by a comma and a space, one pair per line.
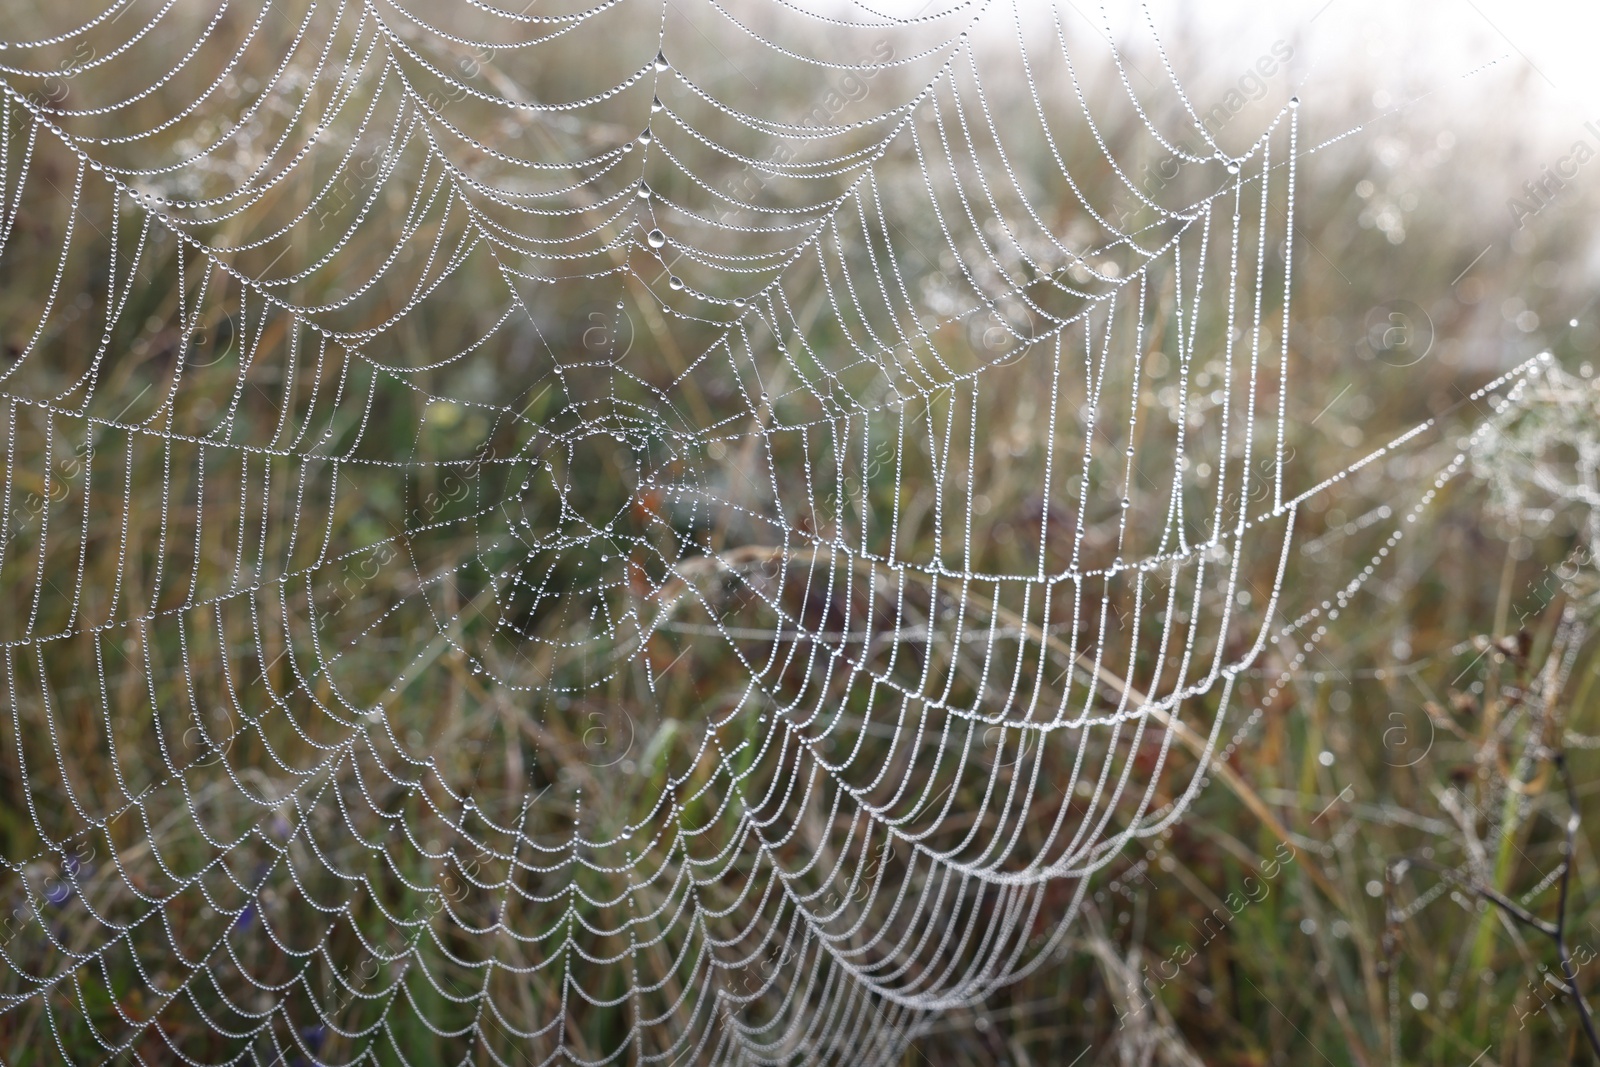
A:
656, 238
738, 301
644, 191
661, 61
1573, 323
627, 146
1294, 101
1233, 168
675, 282
646, 137
656, 104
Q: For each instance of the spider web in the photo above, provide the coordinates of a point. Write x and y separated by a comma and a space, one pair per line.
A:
527, 544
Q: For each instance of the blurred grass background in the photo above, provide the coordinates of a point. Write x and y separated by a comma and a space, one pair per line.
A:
1403, 736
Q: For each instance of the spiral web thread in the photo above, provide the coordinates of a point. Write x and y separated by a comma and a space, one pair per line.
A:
524, 546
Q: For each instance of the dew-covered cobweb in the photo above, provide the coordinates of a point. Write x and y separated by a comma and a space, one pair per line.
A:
633, 533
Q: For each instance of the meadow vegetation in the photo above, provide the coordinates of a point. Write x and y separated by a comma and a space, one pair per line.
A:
1343, 892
